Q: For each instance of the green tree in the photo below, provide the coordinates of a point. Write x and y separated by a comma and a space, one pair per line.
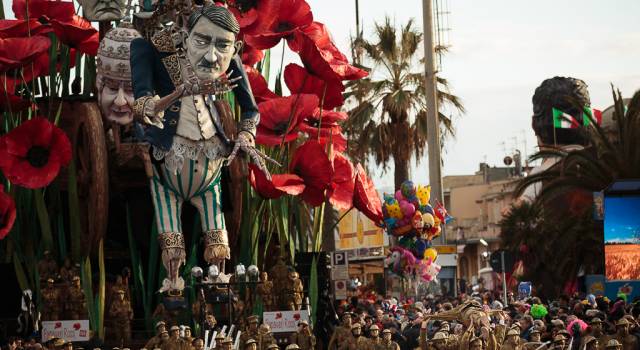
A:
388, 121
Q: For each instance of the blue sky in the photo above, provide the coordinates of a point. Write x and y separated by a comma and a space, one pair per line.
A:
500, 52
622, 218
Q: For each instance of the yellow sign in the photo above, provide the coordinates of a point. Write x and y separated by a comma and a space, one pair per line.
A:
357, 231
446, 249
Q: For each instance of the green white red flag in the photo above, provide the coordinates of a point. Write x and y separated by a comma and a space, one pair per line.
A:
595, 114
562, 120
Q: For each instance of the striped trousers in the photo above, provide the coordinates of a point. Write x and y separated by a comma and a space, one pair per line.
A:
198, 182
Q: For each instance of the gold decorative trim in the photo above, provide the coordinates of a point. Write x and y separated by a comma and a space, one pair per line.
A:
163, 41
138, 106
216, 237
249, 125
172, 64
170, 240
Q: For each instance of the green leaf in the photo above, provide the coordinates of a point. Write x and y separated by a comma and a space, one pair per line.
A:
266, 65
20, 275
313, 288
74, 212
101, 291
43, 218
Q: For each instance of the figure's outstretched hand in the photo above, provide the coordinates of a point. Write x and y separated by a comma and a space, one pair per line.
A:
151, 114
246, 143
211, 87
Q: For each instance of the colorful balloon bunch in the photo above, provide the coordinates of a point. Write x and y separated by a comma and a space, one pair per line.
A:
401, 262
409, 216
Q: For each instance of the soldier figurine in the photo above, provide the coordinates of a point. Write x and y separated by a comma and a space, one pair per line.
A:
624, 337
359, 341
250, 345
387, 343
175, 342
226, 344
197, 344
187, 335
251, 332
66, 271
304, 338
265, 291
342, 334
279, 274
47, 267
51, 302
155, 341
265, 338
374, 338
121, 313
294, 292
218, 341
512, 341
76, 303
589, 343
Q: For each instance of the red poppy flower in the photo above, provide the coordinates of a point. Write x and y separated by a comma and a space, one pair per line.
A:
300, 81
52, 9
7, 213
365, 197
11, 102
292, 15
312, 164
77, 33
317, 32
279, 184
280, 117
328, 63
16, 28
337, 140
18, 52
255, 17
251, 55
342, 184
31, 154
259, 86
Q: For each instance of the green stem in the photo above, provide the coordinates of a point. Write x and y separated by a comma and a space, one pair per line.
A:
43, 217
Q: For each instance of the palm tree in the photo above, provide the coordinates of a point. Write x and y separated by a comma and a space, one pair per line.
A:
389, 119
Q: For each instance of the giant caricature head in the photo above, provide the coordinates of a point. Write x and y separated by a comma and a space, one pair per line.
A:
569, 95
103, 10
211, 43
115, 94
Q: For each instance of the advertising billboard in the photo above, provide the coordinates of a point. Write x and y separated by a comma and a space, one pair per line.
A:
622, 237
357, 231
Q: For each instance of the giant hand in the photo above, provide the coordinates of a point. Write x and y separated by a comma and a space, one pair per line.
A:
246, 143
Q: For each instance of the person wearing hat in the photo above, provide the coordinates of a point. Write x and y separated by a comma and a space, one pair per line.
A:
597, 331
292, 347
512, 341
624, 336
387, 343
374, 340
175, 342
250, 344
67, 345
439, 341
186, 334
358, 341
265, 337
535, 340
273, 346
75, 302
613, 344
121, 315
51, 302
559, 342
589, 343
197, 344
342, 334
303, 337
218, 341
226, 344
251, 332
476, 343
155, 341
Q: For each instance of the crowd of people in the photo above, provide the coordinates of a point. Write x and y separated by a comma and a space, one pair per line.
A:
579, 322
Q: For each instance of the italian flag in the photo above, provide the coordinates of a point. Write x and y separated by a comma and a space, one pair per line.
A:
562, 120
595, 114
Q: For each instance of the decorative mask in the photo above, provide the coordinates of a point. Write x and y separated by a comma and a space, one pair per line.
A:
115, 94
103, 10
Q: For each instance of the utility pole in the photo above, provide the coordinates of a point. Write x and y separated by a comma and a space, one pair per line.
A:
433, 123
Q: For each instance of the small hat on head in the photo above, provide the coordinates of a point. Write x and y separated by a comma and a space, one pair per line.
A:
622, 322
356, 325
252, 319
613, 344
386, 330
303, 323
374, 327
227, 340
439, 336
595, 320
250, 341
513, 331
